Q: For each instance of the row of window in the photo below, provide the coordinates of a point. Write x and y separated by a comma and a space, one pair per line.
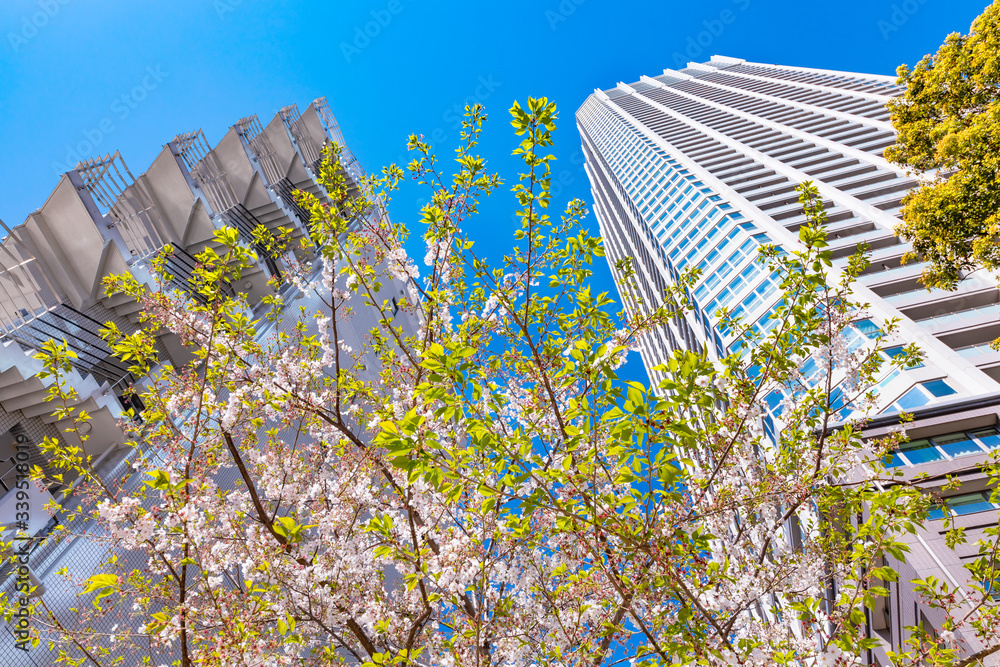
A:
859, 334
651, 179
952, 318
697, 228
683, 214
654, 196
674, 195
748, 276
734, 259
686, 212
619, 145
966, 503
714, 229
645, 172
944, 447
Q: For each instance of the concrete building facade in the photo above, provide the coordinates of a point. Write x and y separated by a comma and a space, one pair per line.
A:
102, 220
698, 168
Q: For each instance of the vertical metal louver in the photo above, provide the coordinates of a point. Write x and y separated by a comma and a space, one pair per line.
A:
125, 201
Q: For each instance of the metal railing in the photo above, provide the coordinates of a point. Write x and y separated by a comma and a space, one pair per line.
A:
206, 169
245, 223
193, 147
260, 147
31, 314
25, 290
285, 189
126, 201
329, 120
82, 335
332, 127
308, 148
180, 267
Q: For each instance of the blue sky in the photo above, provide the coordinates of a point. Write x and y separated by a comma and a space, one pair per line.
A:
128, 75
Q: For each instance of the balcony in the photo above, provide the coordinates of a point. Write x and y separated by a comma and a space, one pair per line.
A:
309, 149
332, 127
205, 168
126, 202
25, 291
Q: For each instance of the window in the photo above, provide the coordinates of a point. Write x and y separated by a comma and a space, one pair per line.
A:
763, 293
748, 275
868, 328
897, 351
990, 437
939, 388
711, 236
921, 395
944, 447
967, 503
725, 269
992, 587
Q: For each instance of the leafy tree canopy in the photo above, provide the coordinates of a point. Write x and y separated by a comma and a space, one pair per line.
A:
948, 123
476, 485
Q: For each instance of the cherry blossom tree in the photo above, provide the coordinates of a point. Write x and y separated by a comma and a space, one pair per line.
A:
473, 484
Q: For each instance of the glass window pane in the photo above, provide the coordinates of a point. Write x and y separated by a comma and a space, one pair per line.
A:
989, 437
939, 388
892, 460
898, 351
993, 587
920, 443
957, 444
924, 453
965, 498
868, 328
973, 508
914, 398
969, 503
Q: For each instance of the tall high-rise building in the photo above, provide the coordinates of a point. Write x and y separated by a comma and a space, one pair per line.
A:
698, 168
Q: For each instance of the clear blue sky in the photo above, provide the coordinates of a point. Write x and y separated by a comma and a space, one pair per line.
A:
149, 70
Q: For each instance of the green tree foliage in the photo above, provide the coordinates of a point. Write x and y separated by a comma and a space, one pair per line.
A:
481, 487
948, 123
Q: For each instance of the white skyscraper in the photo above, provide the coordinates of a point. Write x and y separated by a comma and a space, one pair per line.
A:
698, 168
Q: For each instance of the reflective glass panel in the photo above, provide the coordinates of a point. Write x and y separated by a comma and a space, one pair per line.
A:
969, 503
957, 444
989, 437
920, 451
